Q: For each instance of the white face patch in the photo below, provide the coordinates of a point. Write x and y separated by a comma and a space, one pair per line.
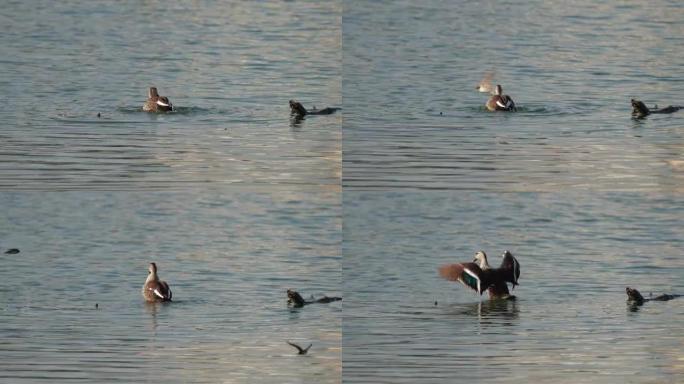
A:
159, 102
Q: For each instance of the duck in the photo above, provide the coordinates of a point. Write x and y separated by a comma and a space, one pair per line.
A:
499, 101
479, 276
155, 290
156, 103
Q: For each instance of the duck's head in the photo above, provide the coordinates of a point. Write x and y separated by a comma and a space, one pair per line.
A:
152, 268
152, 93
481, 259
498, 90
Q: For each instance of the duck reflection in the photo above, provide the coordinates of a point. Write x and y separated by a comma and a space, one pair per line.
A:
494, 312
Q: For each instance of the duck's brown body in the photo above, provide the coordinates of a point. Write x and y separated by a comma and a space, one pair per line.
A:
499, 101
156, 103
155, 290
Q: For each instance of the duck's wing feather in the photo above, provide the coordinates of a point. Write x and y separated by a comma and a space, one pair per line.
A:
163, 291
469, 274
510, 269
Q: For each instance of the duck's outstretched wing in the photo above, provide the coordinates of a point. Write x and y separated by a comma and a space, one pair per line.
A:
510, 268
469, 274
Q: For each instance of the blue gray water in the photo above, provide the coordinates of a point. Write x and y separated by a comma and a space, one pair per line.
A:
589, 200
571, 67
229, 69
235, 201
570, 323
229, 257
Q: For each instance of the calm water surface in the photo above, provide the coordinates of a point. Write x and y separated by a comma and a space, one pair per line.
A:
228, 68
229, 257
234, 200
571, 68
570, 324
428, 176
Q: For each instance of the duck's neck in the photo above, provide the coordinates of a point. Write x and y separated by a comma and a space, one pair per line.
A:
484, 264
151, 277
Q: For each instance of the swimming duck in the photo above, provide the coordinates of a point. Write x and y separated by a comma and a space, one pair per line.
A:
499, 101
156, 103
479, 276
155, 290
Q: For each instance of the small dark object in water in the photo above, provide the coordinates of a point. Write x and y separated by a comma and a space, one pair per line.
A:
96, 306
98, 114
12, 251
294, 298
640, 110
302, 351
297, 109
435, 303
634, 297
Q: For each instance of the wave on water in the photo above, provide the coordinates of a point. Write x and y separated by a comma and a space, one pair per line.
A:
527, 109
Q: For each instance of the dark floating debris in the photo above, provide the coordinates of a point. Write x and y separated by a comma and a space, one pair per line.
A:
296, 300
302, 351
12, 251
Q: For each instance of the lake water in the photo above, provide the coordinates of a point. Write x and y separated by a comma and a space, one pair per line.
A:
570, 67
229, 70
589, 200
570, 323
237, 202
234, 200
229, 257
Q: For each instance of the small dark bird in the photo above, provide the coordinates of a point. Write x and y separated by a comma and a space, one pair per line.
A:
98, 114
96, 306
12, 251
302, 351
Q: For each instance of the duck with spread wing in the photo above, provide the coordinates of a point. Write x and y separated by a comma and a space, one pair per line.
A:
480, 277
